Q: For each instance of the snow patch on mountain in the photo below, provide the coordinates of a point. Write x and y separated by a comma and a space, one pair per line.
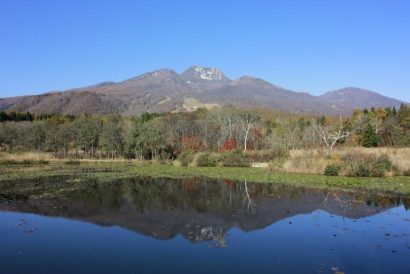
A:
209, 74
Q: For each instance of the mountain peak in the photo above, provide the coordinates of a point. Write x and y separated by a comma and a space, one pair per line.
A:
361, 98
203, 74
156, 74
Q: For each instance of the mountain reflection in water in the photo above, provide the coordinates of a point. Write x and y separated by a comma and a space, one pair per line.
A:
198, 209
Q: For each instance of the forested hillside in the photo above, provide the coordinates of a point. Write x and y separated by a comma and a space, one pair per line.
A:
168, 135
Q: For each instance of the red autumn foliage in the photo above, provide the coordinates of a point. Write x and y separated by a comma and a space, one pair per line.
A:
229, 144
192, 143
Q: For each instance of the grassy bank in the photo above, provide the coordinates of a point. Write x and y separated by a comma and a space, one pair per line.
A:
312, 161
120, 170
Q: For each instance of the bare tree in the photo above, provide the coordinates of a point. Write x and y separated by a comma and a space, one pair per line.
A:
251, 204
248, 121
329, 134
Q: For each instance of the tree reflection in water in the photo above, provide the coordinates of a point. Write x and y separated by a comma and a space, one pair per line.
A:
197, 208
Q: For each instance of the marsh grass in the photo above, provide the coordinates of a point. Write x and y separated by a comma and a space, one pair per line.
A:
303, 161
25, 157
314, 161
38, 157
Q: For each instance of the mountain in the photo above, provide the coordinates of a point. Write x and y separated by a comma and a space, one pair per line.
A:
361, 98
165, 90
197, 74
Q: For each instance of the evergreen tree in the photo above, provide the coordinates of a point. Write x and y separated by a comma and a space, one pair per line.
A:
369, 137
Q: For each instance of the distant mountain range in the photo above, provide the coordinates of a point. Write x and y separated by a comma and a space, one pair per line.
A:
165, 90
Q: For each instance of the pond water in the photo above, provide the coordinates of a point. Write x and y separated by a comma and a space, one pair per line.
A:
61, 225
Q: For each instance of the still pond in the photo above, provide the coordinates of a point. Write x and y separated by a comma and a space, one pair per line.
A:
142, 225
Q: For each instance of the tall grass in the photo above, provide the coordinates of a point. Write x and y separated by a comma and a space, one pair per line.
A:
43, 157
26, 157
314, 161
309, 161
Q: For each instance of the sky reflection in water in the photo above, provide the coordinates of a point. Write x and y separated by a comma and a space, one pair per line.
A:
197, 226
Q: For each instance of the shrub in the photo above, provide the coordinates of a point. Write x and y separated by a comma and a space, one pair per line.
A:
186, 157
383, 163
360, 165
205, 160
380, 166
229, 144
332, 170
361, 170
236, 159
162, 158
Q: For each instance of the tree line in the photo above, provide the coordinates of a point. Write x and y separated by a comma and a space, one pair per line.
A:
16, 116
166, 135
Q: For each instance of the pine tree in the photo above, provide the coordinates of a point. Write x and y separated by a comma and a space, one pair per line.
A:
369, 138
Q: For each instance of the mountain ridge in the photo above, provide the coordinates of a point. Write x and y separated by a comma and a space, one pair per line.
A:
165, 90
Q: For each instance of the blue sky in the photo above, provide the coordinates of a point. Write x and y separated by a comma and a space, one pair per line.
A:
311, 46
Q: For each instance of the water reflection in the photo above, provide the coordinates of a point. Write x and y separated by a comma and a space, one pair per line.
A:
198, 209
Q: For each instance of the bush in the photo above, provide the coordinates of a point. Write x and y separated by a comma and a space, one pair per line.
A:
205, 160
362, 170
162, 158
236, 159
383, 163
332, 170
360, 165
380, 166
186, 157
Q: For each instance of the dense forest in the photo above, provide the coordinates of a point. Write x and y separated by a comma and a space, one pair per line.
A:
166, 135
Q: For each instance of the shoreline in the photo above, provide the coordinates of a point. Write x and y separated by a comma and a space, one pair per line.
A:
109, 171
